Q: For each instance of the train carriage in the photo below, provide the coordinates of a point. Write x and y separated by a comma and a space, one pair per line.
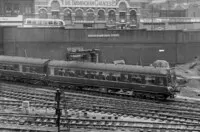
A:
139, 81
125, 79
22, 68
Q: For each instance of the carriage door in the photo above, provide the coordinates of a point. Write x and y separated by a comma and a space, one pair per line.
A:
122, 14
55, 9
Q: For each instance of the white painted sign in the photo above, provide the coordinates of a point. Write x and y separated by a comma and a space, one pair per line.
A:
7, 19
90, 3
102, 35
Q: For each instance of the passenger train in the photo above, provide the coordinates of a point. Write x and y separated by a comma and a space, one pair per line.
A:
37, 22
130, 80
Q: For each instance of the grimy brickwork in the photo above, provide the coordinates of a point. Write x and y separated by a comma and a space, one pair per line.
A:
130, 45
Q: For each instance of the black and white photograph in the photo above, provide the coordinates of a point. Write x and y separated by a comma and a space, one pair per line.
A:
99, 65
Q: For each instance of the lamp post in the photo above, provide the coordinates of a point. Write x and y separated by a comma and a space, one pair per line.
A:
58, 110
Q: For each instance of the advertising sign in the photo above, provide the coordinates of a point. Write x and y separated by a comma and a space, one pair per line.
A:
90, 3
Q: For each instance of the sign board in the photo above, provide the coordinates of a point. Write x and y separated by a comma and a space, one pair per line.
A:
103, 35
90, 3
11, 19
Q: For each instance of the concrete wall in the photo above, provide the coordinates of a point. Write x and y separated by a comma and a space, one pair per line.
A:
131, 45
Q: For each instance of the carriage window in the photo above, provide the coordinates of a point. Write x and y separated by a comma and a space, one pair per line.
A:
159, 81
12, 67
116, 76
136, 78
16, 67
36, 69
123, 78
111, 77
100, 76
31, 69
66, 72
80, 73
70, 72
27, 69
59, 71
150, 80
90, 74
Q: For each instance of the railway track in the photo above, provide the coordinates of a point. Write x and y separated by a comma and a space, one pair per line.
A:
49, 121
121, 107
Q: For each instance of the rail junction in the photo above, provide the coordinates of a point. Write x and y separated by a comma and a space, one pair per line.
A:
81, 110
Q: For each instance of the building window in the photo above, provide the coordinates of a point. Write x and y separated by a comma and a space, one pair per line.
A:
101, 15
43, 13
12, 9
122, 7
55, 6
122, 12
111, 16
67, 16
16, 9
28, 9
55, 15
79, 15
90, 15
133, 17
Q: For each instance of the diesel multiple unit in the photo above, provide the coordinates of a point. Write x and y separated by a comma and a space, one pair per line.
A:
138, 81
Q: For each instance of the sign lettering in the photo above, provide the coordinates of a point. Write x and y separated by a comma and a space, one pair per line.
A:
102, 35
90, 3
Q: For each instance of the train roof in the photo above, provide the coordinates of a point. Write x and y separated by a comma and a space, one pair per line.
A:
24, 60
109, 67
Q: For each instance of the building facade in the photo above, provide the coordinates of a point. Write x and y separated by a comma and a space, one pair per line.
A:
91, 13
13, 8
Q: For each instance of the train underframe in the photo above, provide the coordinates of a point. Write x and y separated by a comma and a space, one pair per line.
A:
101, 90
112, 91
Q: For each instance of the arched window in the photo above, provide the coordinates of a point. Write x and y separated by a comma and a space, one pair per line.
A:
101, 15
79, 15
111, 16
133, 16
122, 12
43, 13
55, 6
193, 11
122, 7
67, 15
90, 15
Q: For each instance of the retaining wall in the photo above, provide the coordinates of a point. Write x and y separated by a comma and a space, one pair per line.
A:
131, 45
